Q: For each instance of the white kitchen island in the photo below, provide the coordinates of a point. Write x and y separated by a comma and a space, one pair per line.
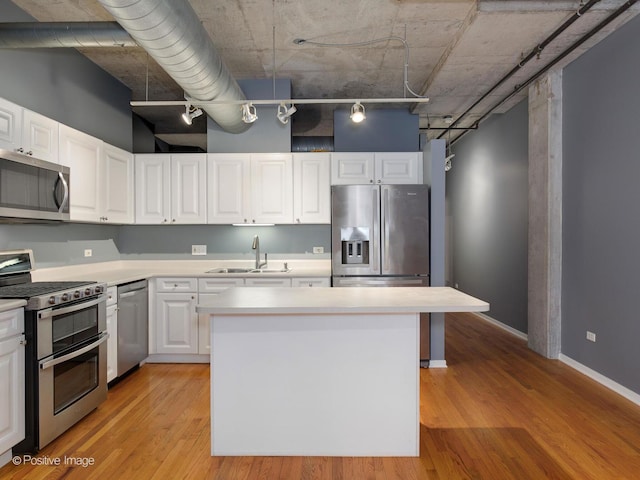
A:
320, 371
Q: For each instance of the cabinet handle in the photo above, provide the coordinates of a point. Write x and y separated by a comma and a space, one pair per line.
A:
379, 181
164, 220
29, 152
173, 220
20, 150
297, 220
371, 181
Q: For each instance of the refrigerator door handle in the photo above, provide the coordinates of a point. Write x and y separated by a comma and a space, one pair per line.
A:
385, 229
376, 219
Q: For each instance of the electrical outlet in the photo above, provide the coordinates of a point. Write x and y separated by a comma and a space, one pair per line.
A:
591, 336
318, 249
198, 249
88, 252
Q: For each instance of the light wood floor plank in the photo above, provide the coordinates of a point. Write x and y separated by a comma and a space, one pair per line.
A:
500, 411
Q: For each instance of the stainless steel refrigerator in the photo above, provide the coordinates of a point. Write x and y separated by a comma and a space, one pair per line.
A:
380, 235
380, 238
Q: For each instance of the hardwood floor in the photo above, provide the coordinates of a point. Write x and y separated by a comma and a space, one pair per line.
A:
499, 411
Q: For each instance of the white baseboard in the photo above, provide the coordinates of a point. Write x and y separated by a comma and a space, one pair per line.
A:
437, 364
5, 458
503, 326
601, 379
598, 377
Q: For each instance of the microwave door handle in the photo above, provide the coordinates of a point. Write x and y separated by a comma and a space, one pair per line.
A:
44, 364
65, 197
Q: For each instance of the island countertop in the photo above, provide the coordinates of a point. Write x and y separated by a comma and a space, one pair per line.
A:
328, 300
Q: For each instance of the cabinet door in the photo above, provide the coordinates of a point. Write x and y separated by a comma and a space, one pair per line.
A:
112, 342
153, 188
176, 323
272, 188
40, 136
10, 125
82, 154
312, 188
352, 168
228, 188
12, 372
189, 188
398, 167
117, 185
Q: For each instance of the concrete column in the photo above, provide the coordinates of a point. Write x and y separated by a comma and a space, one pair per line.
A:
545, 215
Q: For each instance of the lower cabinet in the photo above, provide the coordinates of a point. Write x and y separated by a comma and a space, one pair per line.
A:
12, 374
310, 282
176, 323
112, 330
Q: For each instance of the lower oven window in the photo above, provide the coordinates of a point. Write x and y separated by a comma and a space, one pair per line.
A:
74, 378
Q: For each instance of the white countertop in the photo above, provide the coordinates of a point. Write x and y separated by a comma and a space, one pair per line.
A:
6, 305
125, 271
322, 300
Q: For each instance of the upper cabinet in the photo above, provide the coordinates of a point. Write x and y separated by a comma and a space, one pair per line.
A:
171, 189
312, 188
380, 168
117, 185
101, 178
250, 188
81, 153
27, 132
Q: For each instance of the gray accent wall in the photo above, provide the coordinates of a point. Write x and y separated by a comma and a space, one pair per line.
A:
64, 85
601, 230
487, 191
384, 130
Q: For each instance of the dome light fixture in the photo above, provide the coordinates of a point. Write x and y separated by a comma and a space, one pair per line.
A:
357, 113
190, 113
249, 114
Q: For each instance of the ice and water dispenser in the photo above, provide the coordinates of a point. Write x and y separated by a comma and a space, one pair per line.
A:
355, 245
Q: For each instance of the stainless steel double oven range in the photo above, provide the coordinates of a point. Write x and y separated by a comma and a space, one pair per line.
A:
65, 353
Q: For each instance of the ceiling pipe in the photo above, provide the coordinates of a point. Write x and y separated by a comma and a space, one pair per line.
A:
626, 6
64, 35
171, 33
533, 54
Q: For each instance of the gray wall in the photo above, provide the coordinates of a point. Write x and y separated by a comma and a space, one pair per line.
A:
487, 191
384, 130
601, 230
266, 134
64, 85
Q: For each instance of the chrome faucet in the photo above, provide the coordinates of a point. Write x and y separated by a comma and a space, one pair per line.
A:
256, 246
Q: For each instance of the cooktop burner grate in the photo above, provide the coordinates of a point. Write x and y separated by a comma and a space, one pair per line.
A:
33, 289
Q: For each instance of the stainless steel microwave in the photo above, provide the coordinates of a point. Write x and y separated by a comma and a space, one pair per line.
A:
32, 189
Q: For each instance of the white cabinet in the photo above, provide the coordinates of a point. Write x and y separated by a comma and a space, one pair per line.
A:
12, 373
112, 330
82, 154
171, 189
228, 188
209, 288
310, 282
379, 168
250, 188
312, 188
116, 185
176, 320
24, 131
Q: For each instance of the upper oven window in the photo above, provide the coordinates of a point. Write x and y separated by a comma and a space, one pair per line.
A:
72, 328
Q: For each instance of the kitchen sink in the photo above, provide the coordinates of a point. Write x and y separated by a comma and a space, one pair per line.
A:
248, 270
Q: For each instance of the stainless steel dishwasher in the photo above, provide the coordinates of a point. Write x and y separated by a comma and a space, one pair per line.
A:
133, 325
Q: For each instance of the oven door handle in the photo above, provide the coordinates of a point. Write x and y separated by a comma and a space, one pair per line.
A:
50, 312
44, 364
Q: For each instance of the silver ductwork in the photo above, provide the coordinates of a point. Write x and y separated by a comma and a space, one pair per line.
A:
171, 32
63, 35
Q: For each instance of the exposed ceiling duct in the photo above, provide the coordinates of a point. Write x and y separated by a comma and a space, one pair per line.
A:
171, 32
63, 35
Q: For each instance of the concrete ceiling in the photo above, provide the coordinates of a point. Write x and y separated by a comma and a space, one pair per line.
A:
459, 49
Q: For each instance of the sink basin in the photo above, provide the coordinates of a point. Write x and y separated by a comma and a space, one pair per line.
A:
230, 270
248, 270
